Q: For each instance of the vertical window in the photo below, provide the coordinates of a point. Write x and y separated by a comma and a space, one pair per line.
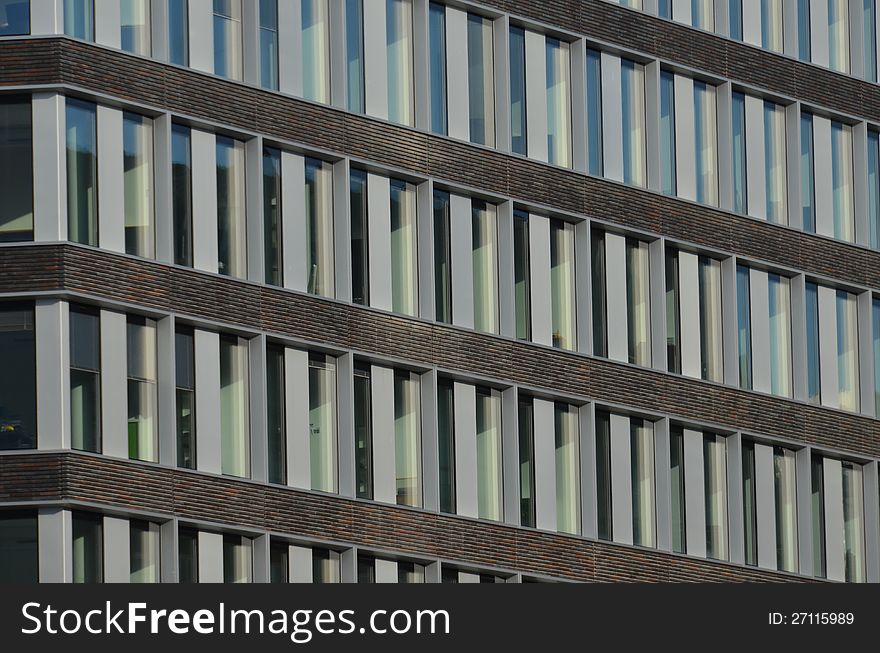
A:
188, 555
88, 548
398, 31
715, 479
481, 80
446, 437
143, 392
269, 44
838, 35
785, 487
238, 564
774, 162
319, 228
325, 566
526, 435
808, 187
178, 32
676, 479
407, 439
279, 562
485, 258
853, 522
744, 326
410, 572
673, 313
567, 468
272, 222
633, 118
842, 181
869, 36
562, 280
739, 153
366, 569
144, 559
16, 169
735, 19
82, 172
185, 394
19, 552
703, 14
638, 302
522, 275
597, 278
316, 50
771, 25
812, 311
79, 19
595, 163
360, 242
85, 380
667, 133
643, 483
803, 20
227, 38
15, 17
437, 62
558, 102
711, 346
322, 422
603, 476
140, 223
779, 292
404, 255
664, 8
354, 54
489, 479
231, 227
442, 258
874, 188
875, 318
750, 503
363, 431
276, 414
706, 141
135, 23
181, 194
234, 406
817, 512
518, 129
18, 388
847, 350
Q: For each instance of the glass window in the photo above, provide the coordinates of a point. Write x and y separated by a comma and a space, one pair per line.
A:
319, 228
404, 249
188, 555
817, 512
558, 102
715, 479
407, 439
779, 291
82, 172
750, 503
437, 63
485, 257
410, 572
16, 168
322, 422
272, 212
875, 313
643, 483
135, 22
522, 275
442, 258
489, 477
842, 181
739, 154
808, 187
178, 32
481, 80
181, 194
853, 522
735, 19
676, 479
633, 118
234, 406
18, 388
744, 326
360, 239
144, 552
227, 38
85, 379
363, 431
706, 141
354, 53
276, 414
667, 133
279, 562
79, 19
847, 351
567, 468
600, 309
446, 436
140, 223
664, 8
874, 188
638, 302
711, 346
771, 25
703, 14
785, 487
88, 547
15, 17
603, 475
869, 35
185, 393
838, 35
595, 163
19, 552
143, 392
774, 162
803, 22
325, 566
518, 116
366, 569
316, 50
398, 31
231, 227
812, 311
269, 43
238, 566
562, 284
673, 313
526, 435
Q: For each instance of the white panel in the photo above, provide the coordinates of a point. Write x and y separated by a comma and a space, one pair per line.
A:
293, 233
375, 59
695, 494
539, 264
461, 228
201, 37
465, 420
114, 399
457, 94
290, 77
751, 18
681, 11
835, 554
52, 336
254, 217
765, 490
108, 30
296, 391
55, 530
111, 220
299, 563
536, 95
465, 577
204, 178
210, 557
163, 185
819, 32
685, 147
117, 550
50, 166
47, 17
760, 318
207, 374
379, 230
384, 469
621, 480
386, 570
689, 313
755, 176
615, 280
828, 381
823, 176
545, 465
612, 121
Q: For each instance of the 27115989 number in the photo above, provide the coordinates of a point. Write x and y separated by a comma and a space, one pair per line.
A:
811, 619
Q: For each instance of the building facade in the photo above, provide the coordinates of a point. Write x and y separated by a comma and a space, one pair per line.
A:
405, 291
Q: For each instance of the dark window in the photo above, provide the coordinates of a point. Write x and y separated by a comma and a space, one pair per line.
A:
184, 353
360, 243
85, 379
16, 167
181, 194
527, 461
88, 548
275, 401
442, 259
19, 555
363, 431
15, 17
446, 436
272, 222
18, 388
188, 555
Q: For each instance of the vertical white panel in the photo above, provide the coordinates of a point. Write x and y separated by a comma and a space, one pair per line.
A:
293, 233
114, 399
536, 95
689, 313
379, 230
201, 36
506, 294
386, 571
465, 420
457, 95
167, 383
210, 557
47, 17
685, 147
539, 270
204, 178
254, 218
345, 445
828, 381
545, 465
299, 563
430, 442
621, 480
751, 18
164, 191
663, 491
765, 490
461, 228
290, 76
55, 529
501, 42
111, 221
207, 374
425, 230
578, 51
835, 554
612, 120
296, 391
117, 550
375, 59
158, 29
50, 166
694, 492
615, 298
681, 11
755, 173
465, 577
819, 32
250, 45
759, 310
510, 455
384, 464
52, 336
108, 30
341, 213
822, 177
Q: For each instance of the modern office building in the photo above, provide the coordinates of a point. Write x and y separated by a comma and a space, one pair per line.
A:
411, 291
